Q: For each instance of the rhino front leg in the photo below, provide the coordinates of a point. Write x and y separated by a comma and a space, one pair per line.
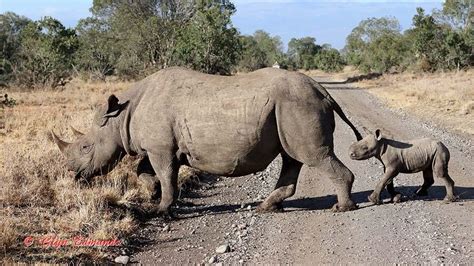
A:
285, 187
147, 179
390, 173
166, 169
395, 196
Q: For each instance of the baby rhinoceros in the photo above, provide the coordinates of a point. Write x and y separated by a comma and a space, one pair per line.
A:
427, 155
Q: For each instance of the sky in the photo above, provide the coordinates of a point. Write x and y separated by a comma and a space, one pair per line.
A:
327, 21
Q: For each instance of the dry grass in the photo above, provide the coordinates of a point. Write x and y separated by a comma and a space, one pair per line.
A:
39, 198
444, 98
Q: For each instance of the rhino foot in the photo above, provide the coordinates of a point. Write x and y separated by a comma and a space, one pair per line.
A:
167, 215
349, 206
397, 198
156, 212
375, 199
450, 198
263, 208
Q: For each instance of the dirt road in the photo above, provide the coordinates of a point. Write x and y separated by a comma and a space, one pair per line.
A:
418, 230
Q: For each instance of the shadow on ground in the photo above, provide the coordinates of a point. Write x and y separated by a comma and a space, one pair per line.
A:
368, 76
326, 202
187, 210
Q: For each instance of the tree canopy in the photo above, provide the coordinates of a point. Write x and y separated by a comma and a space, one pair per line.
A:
131, 39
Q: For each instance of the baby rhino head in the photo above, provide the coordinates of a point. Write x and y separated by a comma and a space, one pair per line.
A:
366, 147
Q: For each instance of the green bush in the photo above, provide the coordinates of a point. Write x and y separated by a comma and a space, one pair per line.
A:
443, 40
260, 50
329, 60
45, 55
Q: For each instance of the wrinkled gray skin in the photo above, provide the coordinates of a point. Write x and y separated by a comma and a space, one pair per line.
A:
229, 126
427, 155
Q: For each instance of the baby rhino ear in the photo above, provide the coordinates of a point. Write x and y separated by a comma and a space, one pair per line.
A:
378, 134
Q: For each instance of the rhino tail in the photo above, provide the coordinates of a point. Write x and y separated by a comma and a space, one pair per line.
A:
343, 116
336, 108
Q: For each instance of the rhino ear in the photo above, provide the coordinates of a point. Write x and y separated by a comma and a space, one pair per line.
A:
378, 134
114, 107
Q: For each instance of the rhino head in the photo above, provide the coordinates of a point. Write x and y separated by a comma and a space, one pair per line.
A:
367, 147
100, 150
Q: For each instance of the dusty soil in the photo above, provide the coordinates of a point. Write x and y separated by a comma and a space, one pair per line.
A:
418, 230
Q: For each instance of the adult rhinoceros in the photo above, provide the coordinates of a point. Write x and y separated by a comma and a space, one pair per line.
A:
224, 125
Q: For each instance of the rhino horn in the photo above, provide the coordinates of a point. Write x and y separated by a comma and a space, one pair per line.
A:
76, 132
61, 143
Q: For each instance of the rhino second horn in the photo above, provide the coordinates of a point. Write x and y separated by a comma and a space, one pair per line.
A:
61, 143
76, 132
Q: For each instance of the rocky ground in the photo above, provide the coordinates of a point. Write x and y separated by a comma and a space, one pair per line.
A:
218, 224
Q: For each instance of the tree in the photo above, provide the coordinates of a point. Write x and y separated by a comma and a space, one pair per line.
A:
437, 46
97, 55
10, 27
271, 46
458, 16
457, 13
329, 59
136, 37
209, 43
46, 53
302, 51
376, 44
386, 52
252, 57
260, 50
140, 37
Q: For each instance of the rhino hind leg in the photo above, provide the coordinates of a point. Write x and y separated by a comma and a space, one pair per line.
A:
440, 170
306, 134
166, 168
285, 187
342, 178
427, 183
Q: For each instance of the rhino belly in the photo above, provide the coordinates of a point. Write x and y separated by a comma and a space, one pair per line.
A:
231, 140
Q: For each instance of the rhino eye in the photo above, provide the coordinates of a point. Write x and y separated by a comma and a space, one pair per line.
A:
86, 148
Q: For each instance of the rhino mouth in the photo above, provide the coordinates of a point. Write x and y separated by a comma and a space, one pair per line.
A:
359, 157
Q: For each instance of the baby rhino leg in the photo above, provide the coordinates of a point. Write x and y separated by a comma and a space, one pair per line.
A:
428, 181
395, 196
440, 170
